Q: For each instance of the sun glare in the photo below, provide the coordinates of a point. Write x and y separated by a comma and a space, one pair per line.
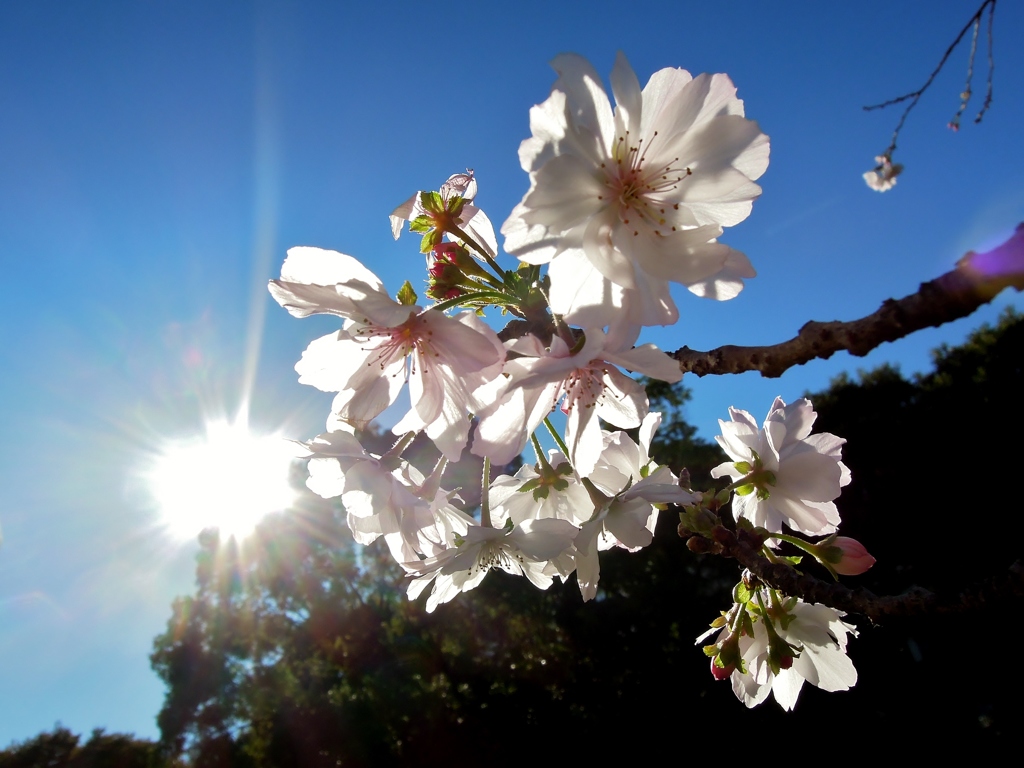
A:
229, 478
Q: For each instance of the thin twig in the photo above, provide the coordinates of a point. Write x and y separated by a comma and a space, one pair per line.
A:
991, 66
915, 96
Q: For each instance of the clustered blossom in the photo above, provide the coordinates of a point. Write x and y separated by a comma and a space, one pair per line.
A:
774, 646
622, 202
785, 476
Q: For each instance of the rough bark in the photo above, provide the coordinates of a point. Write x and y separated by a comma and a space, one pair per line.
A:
976, 280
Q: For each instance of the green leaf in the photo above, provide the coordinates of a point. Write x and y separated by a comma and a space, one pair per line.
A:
421, 224
745, 490
406, 295
741, 593
432, 238
529, 485
432, 202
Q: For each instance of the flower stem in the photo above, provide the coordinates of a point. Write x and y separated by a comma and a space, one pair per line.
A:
454, 229
806, 546
485, 502
558, 438
400, 445
541, 458
467, 297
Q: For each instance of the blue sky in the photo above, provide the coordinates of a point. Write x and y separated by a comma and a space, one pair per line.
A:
158, 158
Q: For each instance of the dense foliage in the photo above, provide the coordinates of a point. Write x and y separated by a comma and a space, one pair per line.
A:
60, 748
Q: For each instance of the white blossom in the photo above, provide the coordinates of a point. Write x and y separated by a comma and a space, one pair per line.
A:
817, 637
623, 202
636, 487
471, 220
882, 177
383, 344
536, 549
795, 475
588, 384
554, 491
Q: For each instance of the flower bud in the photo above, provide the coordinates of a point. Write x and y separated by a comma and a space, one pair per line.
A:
853, 559
720, 673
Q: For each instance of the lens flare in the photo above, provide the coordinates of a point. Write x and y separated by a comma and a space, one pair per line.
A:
228, 478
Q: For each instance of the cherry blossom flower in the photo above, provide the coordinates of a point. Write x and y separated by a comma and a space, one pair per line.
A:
471, 220
794, 475
536, 549
381, 496
623, 202
636, 486
552, 490
882, 177
384, 343
586, 381
797, 642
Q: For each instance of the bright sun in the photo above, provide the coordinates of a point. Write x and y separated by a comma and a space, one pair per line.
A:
228, 479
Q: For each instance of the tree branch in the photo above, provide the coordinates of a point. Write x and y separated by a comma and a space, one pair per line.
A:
976, 280
745, 547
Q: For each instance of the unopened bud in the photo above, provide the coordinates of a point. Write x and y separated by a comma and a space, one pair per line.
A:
853, 559
720, 673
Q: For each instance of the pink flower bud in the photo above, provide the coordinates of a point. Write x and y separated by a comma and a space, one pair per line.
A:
854, 559
720, 673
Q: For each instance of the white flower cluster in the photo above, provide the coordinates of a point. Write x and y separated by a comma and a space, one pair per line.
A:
623, 201
770, 645
785, 476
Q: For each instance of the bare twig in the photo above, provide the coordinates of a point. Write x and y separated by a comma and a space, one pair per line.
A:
976, 280
991, 66
915, 96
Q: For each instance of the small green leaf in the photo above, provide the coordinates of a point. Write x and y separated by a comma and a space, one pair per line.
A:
529, 485
432, 238
406, 295
421, 224
743, 467
432, 202
741, 593
745, 490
